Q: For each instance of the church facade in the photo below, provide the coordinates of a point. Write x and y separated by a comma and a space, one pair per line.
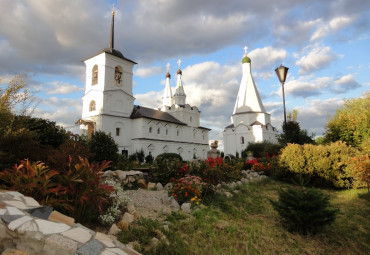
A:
250, 123
108, 105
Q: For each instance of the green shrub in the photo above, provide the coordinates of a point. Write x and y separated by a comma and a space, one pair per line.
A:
149, 159
304, 210
103, 147
123, 163
260, 150
167, 167
323, 164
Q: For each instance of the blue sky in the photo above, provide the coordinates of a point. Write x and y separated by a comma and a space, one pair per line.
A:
325, 44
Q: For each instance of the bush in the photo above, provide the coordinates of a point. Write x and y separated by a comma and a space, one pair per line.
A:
149, 159
216, 170
260, 150
78, 191
322, 164
32, 179
188, 188
304, 210
103, 147
167, 167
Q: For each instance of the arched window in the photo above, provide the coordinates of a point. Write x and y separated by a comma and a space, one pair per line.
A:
92, 106
158, 131
177, 132
118, 75
95, 72
242, 140
150, 129
166, 131
191, 119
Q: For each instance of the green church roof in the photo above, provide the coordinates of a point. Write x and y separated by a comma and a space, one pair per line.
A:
246, 59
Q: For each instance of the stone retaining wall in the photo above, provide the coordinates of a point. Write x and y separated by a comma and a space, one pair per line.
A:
28, 228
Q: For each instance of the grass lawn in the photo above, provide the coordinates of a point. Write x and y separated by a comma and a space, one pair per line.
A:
248, 224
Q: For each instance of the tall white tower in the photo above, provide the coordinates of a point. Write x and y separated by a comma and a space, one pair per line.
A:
108, 88
167, 95
180, 96
249, 121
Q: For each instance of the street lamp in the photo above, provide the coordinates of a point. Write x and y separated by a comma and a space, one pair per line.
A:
281, 73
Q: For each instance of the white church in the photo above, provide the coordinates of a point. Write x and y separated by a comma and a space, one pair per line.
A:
250, 123
108, 105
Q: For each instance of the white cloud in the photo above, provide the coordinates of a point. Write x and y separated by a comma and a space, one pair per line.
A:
59, 87
317, 58
340, 22
267, 57
149, 71
344, 84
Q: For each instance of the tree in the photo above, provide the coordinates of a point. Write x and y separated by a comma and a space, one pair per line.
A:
292, 133
16, 142
103, 147
351, 123
46, 132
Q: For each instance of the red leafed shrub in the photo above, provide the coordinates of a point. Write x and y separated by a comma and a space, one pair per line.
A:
32, 179
85, 190
78, 192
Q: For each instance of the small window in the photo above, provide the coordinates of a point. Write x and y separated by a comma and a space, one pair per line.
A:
117, 131
191, 119
150, 129
242, 140
95, 73
158, 131
203, 137
92, 106
166, 131
177, 132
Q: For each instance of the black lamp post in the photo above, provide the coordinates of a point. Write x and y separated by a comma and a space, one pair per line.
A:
281, 73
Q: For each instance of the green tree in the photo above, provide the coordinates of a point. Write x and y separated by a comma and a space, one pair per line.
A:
103, 147
351, 123
292, 133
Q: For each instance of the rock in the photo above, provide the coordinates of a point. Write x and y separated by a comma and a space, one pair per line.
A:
221, 225
136, 215
131, 179
121, 174
151, 185
128, 217
114, 230
228, 194
174, 204
142, 184
131, 208
166, 228
186, 207
133, 245
122, 225
159, 186
14, 252
59, 217
244, 180
168, 186
154, 241
239, 183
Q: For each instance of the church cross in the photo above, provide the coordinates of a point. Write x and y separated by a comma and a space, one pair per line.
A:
168, 67
245, 50
179, 62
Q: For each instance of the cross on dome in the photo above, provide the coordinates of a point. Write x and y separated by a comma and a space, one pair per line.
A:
168, 67
179, 62
245, 50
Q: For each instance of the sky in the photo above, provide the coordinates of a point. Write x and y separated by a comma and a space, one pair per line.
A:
325, 44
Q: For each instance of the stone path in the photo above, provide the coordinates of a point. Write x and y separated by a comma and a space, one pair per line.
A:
28, 228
